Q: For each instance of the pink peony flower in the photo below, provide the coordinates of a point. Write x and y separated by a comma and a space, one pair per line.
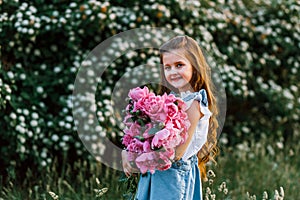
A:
127, 139
170, 98
146, 161
138, 93
136, 146
146, 146
133, 130
171, 109
160, 138
165, 159
153, 106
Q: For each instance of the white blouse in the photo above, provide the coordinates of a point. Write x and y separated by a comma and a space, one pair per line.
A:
200, 135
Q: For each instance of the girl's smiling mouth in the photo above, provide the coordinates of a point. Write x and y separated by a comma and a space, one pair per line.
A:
176, 78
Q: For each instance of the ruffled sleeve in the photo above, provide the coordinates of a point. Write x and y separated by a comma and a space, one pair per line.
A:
201, 97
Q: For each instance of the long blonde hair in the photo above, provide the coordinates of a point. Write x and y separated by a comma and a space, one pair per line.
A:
201, 79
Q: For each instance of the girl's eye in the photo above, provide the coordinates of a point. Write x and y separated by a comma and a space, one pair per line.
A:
179, 65
167, 67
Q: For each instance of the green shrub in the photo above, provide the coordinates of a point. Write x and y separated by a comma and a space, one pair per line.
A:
254, 45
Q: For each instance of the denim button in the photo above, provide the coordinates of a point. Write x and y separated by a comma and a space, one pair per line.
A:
178, 164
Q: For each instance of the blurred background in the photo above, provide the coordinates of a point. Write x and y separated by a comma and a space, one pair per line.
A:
254, 45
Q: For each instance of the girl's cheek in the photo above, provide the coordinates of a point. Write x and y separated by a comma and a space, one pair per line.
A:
166, 74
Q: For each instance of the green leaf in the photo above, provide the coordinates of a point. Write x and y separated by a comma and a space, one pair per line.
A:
153, 130
141, 138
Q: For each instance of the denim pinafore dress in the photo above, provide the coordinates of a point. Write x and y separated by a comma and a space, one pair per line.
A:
182, 180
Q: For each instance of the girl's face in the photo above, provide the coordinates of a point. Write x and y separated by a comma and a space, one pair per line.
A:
178, 70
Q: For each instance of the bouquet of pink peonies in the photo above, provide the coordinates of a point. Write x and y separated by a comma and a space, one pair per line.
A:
155, 125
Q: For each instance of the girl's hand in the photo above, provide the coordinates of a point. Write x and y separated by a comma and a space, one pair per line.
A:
127, 166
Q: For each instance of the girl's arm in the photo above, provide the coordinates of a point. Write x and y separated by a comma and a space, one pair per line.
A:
194, 116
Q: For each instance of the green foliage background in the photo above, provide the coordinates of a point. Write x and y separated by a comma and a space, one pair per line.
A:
255, 45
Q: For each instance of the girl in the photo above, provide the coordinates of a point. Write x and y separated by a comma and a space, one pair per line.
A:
184, 72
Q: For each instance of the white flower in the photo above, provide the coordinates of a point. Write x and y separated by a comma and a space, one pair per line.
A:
73, 5
33, 123
20, 129
49, 160
98, 128
13, 116
10, 75
62, 20
101, 119
262, 61
287, 40
294, 88
30, 31
25, 111
289, 106
57, 69
37, 52
62, 144
29, 133
8, 98
19, 15
22, 149
25, 22
7, 88
43, 66
245, 129
22, 118
44, 154
88, 12
71, 87
288, 94
32, 9
271, 150
235, 38
221, 25
65, 138
61, 123
90, 73
55, 13
11, 43
69, 118
34, 115
43, 163
68, 125
40, 89
22, 76
54, 138
277, 62
27, 49
22, 139
279, 145
244, 45
37, 25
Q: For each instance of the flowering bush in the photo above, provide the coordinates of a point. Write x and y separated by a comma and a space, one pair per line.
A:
155, 125
254, 44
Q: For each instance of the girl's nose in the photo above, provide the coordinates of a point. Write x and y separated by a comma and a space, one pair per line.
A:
173, 71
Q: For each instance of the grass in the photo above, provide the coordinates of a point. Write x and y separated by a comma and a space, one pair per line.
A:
82, 180
251, 169
257, 171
